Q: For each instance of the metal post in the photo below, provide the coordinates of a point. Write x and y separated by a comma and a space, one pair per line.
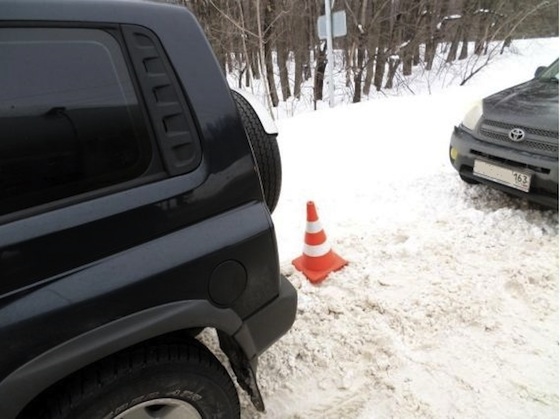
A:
330, 56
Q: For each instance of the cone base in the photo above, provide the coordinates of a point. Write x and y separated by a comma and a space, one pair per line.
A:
334, 263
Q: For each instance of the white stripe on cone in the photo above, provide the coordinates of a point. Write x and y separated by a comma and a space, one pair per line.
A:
313, 227
316, 250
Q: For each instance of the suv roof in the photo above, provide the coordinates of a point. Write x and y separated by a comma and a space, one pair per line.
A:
116, 11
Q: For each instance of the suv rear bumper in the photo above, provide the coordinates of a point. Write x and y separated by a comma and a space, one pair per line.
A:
266, 326
543, 170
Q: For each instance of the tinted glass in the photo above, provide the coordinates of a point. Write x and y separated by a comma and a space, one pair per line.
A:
551, 72
70, 121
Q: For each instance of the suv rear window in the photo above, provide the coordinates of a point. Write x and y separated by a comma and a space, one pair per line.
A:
70, 121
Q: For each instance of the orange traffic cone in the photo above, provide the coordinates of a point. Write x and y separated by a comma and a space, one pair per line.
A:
317, 260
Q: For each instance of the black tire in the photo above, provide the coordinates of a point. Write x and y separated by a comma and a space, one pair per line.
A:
175, 380
265, 149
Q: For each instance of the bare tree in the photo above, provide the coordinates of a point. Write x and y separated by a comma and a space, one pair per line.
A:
262, 38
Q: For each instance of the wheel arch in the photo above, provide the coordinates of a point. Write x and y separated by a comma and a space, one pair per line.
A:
32, 379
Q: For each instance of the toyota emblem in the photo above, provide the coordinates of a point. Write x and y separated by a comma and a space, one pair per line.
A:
517, 135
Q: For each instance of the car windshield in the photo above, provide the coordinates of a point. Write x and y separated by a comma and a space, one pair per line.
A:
551, 72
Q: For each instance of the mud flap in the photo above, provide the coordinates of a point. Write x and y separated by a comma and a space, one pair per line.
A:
246, 375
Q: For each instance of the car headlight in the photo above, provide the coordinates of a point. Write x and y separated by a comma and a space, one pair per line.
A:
473, 116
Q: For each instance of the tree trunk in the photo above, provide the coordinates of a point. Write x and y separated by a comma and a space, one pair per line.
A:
481, 34
385, 29
283, 70
394, 63
264, 54
267, 50
240, 78
369, 71
464, 49
373, 42
454, 47
360, 54
320, 73
380, 61
359, 68
348, 56
270, 75
281, 47
416, 56
430, 54
506, 44
435, 36
298, 72
411, 28
300, 47
254, 63
407, 58
466, 28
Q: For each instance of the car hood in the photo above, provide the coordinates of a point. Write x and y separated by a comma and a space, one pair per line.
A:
531, 104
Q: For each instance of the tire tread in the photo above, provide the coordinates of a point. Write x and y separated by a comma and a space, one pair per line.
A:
265, 149
63, 398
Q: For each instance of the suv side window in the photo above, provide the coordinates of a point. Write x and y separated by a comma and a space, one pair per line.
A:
75, 125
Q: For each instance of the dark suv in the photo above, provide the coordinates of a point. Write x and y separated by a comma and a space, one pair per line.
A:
135, 198
509, 140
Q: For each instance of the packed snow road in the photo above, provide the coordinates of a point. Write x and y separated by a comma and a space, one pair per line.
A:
449, 305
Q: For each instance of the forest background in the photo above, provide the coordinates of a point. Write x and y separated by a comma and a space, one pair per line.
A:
276, 41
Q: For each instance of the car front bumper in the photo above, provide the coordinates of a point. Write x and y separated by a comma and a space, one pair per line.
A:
465, 149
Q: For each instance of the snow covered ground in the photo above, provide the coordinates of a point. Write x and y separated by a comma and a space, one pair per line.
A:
449, 305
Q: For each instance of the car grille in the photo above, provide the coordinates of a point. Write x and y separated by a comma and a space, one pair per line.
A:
536, 140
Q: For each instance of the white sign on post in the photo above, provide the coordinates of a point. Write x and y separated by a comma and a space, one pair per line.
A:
329, 26
338, 25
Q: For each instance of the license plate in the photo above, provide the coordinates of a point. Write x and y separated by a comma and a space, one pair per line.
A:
506, 176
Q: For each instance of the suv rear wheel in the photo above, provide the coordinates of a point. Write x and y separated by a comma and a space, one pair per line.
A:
167, 381
265, 149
